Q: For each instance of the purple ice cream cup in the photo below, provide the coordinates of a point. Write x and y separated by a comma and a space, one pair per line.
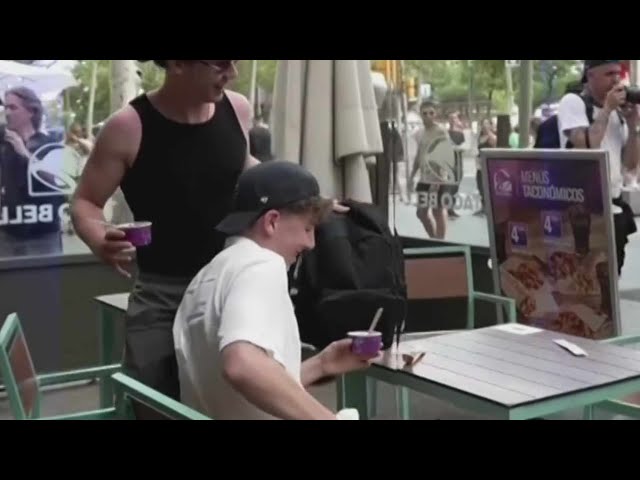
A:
366, 344
137, 233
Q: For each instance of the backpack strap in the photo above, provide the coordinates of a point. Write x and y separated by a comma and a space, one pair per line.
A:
588, 103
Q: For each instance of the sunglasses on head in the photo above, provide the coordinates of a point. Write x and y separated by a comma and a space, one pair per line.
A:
221, 65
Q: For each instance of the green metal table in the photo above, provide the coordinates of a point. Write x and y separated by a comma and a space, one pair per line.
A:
505, 372
111, 308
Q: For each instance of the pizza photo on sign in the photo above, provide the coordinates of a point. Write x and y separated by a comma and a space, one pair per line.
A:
573, 274
524, 280
582, 321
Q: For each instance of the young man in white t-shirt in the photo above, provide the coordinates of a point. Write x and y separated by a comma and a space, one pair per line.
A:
613, 127
429, 187
236, 335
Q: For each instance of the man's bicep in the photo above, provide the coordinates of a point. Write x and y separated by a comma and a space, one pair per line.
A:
577, 137
243, 350
107, 163
244, 113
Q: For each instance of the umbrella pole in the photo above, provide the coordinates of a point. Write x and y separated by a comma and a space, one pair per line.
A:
526, 100
92, 98
405, 132
252, 90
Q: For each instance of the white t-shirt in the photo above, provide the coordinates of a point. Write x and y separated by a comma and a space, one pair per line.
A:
241, 295
572, 113
424, 139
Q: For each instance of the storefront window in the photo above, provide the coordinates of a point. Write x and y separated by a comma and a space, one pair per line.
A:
437, 194
45, 140
59, 106
449, 111
50, 113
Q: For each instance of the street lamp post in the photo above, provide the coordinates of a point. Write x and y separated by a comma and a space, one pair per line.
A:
526, 100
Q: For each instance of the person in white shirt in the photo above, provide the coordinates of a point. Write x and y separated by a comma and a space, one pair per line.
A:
601, 118
235, 332
432, 211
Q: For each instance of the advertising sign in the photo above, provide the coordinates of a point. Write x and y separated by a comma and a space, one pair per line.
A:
552, 238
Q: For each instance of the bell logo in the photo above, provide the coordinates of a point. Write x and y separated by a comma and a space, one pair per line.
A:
53, 171
502, 183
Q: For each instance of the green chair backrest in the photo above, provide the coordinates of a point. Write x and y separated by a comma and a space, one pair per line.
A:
128, 389
438, 279
18, 373
23, 384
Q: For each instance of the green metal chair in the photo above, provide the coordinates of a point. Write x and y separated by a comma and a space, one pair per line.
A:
24, 386
438, 273
624, 407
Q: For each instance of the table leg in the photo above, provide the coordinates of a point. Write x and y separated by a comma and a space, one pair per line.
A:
588, 413
352, 393
403, 403
107, 337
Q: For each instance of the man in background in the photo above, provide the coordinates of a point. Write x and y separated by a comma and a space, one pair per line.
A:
26, 228
260, 140
601, 118
432, 214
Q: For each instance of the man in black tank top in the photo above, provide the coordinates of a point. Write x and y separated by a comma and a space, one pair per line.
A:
177, 154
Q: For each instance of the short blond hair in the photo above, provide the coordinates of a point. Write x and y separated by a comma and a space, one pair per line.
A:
317, 207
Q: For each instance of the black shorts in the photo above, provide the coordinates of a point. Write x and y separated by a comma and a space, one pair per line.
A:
150, 355
427, 189
623, 225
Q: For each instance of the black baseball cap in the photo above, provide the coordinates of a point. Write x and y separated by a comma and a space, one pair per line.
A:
589, 64
267, 186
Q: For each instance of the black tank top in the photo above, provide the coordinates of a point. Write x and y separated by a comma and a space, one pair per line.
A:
183, 181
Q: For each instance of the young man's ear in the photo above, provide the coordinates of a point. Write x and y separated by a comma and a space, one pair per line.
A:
270, 221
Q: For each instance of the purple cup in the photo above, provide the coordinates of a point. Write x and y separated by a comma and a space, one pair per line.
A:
366, 344
137, 233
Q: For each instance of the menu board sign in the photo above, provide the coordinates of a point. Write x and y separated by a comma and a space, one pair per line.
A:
552, 238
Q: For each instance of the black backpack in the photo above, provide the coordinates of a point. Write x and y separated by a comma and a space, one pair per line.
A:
355, 268
548, 134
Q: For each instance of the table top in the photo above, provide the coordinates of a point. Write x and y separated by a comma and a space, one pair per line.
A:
118, 301
515, 369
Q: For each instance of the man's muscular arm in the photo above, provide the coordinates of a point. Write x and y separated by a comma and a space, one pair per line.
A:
244, 113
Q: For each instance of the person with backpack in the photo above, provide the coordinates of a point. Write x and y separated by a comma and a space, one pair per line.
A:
236, 335
601, 118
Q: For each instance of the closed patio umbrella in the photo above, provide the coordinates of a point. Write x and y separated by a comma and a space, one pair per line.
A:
325, 117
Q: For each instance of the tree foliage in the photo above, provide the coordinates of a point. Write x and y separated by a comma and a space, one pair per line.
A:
451, 81
151, 78
77, 98
265, 77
